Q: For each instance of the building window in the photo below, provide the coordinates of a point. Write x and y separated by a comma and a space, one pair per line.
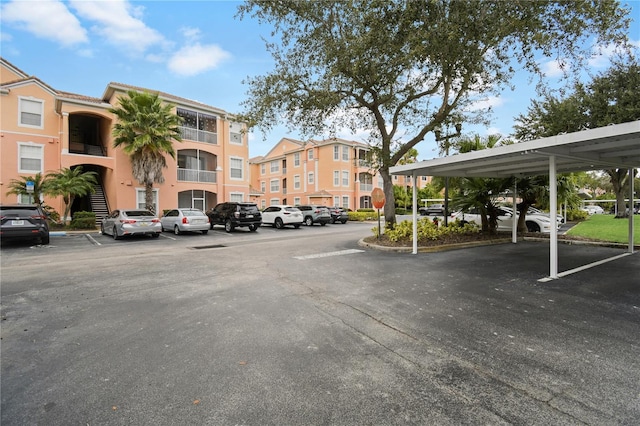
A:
140, 199
274, 201
336, 178
380, 181
31, 113
263, 169
296, 201
263, 204
345, 178
30, 158
336, 152
310, 178
336, 201
296, 159
345, 153
263, 186
310, 154
275, 185
296, 182
235, 133
236, 197
198, 127
345, 201
275, 166
236, 171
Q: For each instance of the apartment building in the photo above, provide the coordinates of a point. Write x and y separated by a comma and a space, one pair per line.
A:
43, 129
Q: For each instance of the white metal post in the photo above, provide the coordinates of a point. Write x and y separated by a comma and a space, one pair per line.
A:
553, 208
414, 202
631, 205
514, 225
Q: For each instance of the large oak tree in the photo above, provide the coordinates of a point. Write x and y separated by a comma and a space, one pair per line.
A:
399, 69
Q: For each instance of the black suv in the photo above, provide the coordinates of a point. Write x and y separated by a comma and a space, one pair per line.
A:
24, 222
232, 215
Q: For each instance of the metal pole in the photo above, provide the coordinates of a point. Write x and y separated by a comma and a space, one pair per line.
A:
414, 203
553, 207
631, 205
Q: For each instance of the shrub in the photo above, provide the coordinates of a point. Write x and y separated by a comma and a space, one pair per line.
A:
361, 216
428, 230
83, 220
577, 215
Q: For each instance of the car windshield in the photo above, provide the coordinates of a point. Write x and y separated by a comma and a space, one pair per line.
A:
137, 213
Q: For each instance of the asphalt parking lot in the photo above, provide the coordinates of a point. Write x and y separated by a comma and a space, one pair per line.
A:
305, 327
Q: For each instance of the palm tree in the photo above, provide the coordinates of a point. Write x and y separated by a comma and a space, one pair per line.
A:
146, 130
70, 183
19, 187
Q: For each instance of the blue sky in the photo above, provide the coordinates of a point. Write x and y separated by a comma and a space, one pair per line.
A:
192, 49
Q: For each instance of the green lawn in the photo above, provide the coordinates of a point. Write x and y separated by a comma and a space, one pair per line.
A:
604, 227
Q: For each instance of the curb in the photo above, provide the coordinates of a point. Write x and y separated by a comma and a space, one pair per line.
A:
434, 249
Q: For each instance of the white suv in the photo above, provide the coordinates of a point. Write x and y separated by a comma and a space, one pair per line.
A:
281, 215
536, 222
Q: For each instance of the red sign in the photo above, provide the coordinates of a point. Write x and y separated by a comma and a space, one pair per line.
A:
378, 199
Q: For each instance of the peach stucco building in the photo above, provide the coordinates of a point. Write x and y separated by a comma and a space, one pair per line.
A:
43, 130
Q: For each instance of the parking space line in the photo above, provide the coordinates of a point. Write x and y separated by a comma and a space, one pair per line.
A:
329, 254
93, 240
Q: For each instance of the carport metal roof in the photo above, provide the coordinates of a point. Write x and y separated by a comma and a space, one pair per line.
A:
611, 147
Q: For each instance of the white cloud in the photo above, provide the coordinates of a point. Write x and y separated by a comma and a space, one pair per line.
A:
190, 33
487, 102
193, 60
49, 19
553, 68
120, 24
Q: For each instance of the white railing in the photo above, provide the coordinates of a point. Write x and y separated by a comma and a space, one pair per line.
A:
192, 134
366, 187
194, 175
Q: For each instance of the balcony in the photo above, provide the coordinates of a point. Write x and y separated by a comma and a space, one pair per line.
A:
194, 175
86, 149
366, 187
189, 133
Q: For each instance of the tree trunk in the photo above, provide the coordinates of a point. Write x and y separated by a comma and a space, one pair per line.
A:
390, 201
67, 208
618, 180
148, 197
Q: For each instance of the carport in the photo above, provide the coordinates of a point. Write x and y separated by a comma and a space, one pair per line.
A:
611, 147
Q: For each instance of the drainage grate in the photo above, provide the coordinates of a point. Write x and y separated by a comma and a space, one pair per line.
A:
208, 247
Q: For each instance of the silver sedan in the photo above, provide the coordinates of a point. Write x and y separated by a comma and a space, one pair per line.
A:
131, 222
185, 220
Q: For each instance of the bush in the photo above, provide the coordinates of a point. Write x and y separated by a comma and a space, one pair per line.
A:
428, 230
361, 216
577, 215
83, 220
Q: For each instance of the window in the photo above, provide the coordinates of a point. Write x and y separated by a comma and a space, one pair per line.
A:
345, 153
296, 159
275, 166
275, 185
31, 112
336, 201
263, 169
140, 199
236, 171
296, 201
380, 181
236, 197
263, 186
30, 158
345, 178
345, 201
263, 204
274, 201
310, 154
235, 133
336, 178
336, 153
197, 126
310, 178
296, 182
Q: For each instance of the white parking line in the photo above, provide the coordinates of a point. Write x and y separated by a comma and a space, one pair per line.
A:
332, 253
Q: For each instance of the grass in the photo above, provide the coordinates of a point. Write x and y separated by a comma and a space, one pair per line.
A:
605, 227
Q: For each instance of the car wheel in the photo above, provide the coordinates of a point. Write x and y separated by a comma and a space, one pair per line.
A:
253, 228
44, 240
176, 230
323, 223
228, 226
115, 234
156, 235
343, 221
297, 225
308, 221
102, 229
333, 221
205, 232
278, 223
533, 227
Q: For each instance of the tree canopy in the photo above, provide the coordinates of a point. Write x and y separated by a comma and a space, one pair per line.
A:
399, 69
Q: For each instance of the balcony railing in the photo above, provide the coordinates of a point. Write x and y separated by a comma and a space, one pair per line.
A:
194, 175
83, 148
366, 187
192, 134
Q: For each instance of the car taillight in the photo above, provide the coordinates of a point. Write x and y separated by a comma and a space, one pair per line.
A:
37, 216
185, 220
129, 221
285, 212
155, 220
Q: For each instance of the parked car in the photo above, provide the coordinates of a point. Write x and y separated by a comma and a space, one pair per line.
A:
24, 222
338, 214
120, 223
281, 215
592, 209
315, 214
533, 210
535, 222
185, 220
235, 214
433, 209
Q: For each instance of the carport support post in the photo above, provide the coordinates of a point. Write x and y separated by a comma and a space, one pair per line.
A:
631, 205
514, 219
414, 202
553, 208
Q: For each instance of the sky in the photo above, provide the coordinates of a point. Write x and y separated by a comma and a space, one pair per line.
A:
197, 50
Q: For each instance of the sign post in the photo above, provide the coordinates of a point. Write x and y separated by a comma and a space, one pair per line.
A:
378, 200
30, 186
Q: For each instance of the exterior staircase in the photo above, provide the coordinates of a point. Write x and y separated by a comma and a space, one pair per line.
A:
99, 204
